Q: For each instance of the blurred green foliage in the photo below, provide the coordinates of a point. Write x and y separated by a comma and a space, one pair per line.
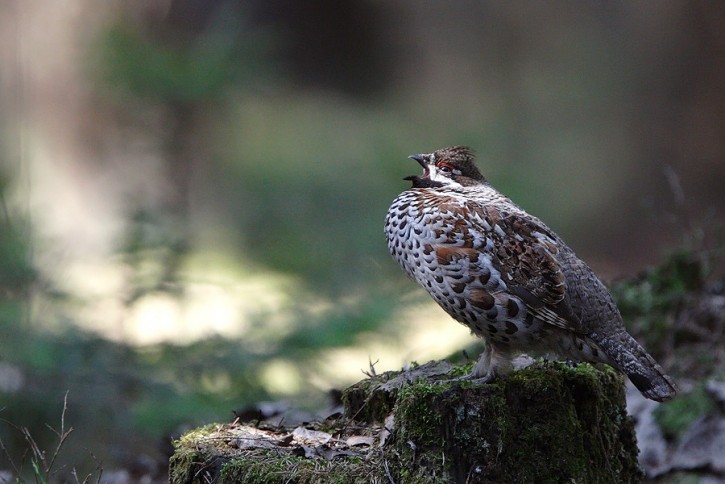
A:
16, 269
650, 302
297, 181
122, 399
338, 328
677, 416
160, 65
153, 253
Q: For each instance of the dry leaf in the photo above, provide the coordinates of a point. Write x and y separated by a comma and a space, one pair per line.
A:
312, 436
359, 440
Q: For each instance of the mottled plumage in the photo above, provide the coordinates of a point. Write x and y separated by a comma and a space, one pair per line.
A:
507, 276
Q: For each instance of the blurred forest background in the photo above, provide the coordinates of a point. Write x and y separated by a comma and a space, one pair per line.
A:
192, 192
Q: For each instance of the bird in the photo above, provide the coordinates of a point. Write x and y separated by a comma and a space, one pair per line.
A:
507, 276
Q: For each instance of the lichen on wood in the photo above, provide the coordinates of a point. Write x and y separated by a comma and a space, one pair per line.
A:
546, 423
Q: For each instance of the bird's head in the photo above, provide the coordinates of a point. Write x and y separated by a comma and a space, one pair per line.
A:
447, 167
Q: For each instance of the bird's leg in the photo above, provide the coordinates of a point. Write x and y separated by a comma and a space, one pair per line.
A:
491, 364
483, 369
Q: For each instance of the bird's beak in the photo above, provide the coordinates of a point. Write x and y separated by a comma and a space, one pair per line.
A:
421, 159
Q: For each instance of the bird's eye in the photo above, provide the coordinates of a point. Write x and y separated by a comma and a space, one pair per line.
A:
445, 167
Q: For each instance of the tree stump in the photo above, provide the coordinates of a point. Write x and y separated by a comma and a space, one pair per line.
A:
545, 423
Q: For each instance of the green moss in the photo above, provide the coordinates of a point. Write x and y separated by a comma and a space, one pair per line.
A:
419, 455
549, 423
418, 421
273, 467
182, 465
190, 463
461, 370
194, 435
373, 399
366, 401
202, 463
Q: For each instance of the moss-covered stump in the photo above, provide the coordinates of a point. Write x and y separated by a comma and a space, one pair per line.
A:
546, 423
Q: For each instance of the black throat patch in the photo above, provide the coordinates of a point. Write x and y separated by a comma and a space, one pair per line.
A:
421, 182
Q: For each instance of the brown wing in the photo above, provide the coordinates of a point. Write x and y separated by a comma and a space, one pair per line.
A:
524, 252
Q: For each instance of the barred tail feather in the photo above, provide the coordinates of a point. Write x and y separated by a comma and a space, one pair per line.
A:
651, 380
641, 369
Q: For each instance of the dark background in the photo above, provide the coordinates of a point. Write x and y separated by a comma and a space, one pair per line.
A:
193, 192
